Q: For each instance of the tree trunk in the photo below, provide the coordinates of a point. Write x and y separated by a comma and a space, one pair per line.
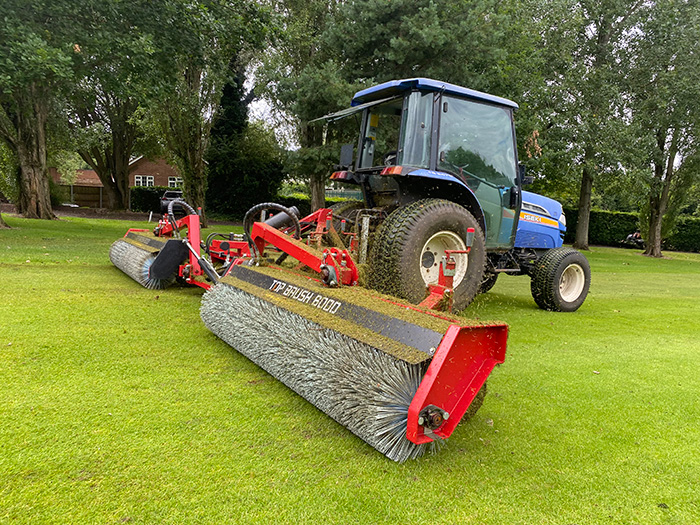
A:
317, 183
115, 189
189, 149
195, 185
584, 202
187, 130
312, 136
660, 192
111, 163
653, 248
116, 200
34, 193
123, 138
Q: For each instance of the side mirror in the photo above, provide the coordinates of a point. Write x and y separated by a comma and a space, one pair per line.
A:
514, 200
346, 152
524, 179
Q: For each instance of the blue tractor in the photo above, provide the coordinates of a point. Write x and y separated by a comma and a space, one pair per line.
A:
435, 161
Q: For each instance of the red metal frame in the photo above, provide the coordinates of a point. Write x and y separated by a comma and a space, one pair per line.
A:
339, 260
235, 249
460, 365
262, 234
192, 269
459, 368
440, 294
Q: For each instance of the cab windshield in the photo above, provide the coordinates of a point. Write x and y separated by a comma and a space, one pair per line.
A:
477, 144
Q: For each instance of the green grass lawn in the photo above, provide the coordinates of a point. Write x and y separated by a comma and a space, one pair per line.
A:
118, 406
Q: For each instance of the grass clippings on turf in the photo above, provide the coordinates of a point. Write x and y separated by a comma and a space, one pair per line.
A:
118, 406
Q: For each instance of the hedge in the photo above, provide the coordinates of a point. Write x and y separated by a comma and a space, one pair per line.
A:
686, 237
610, 228
607, 228
147, 198
303, 202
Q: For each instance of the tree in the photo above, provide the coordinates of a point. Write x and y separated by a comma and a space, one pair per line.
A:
582, 99
665, 89
244, 160
124, 64
301, 78
203, 39
330, 50
245, 169
106, 135
477, 44
36, 62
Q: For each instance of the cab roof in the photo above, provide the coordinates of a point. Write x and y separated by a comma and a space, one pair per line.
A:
397, 87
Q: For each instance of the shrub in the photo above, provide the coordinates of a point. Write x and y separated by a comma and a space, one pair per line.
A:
301, 201
605, 228
59, 194
609, 228
245, 169
147, 198
686, 237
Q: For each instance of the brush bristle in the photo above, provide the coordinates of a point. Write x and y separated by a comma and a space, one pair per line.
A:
135, 262
359, 386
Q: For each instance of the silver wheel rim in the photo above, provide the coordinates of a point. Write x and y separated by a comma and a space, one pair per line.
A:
571, 283
433, 252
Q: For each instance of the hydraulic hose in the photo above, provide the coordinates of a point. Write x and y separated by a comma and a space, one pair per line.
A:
255, 210
171, 217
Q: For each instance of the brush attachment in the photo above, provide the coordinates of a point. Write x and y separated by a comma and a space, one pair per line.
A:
363, 388
135, 259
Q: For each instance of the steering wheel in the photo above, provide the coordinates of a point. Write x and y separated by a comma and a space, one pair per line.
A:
389, 158
466, 173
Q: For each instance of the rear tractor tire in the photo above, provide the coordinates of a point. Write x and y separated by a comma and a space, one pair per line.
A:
561, 280
409, 246
346, 210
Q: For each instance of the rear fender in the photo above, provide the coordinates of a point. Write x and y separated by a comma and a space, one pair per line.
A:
422, 184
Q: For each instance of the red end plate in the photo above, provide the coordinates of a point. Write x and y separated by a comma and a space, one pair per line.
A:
461, 364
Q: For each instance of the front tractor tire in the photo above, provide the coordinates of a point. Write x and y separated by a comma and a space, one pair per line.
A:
410, 244
561, 280
346, 210
488, 281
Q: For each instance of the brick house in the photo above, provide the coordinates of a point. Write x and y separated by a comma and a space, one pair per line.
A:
87, 188
145, 172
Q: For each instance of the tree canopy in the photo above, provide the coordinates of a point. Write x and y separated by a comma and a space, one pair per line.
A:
607, 88
36, 62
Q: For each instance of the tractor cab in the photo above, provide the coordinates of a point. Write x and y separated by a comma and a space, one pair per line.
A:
423, 138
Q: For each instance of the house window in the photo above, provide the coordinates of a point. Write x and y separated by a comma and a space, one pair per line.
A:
144, 180
174, 182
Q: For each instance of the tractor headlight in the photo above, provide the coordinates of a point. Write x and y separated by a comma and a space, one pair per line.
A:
562, 219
